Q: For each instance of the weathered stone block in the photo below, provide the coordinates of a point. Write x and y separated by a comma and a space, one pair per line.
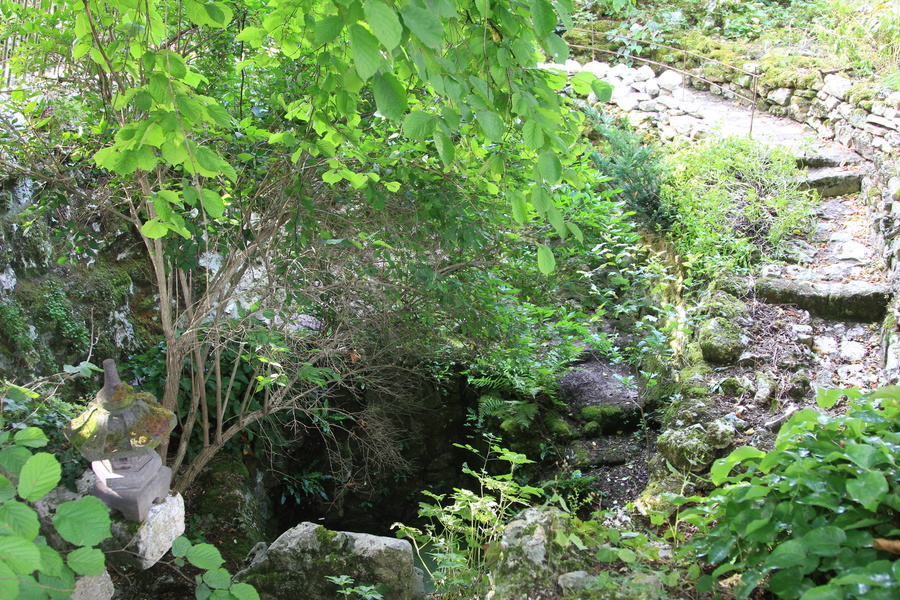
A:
98, 587
670, 80
837, 86
530, 560
721, 341
856, 300
145, 543
780, 96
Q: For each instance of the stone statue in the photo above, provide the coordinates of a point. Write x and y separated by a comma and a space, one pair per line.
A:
118, 433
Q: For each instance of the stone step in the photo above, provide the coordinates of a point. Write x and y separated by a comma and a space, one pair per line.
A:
852, 301
833, 181
827, 156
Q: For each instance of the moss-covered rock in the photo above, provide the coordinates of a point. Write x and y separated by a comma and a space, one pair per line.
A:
228, 511
686, 449
609, 417
531, 558
732, 386
799, 385
721, 341
558, 428
722, 304
29, 242
655, 497
862, 91
693, 448
299, 562
694, 382
591, 430
686, 411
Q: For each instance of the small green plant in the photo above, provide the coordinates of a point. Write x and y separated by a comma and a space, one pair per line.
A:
813, 518
58, 311
464, 529
347, 588
29, 567
214, 582
633, 166
735, 200
514, 415
22, 408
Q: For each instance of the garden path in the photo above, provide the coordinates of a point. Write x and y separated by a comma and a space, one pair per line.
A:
835, 263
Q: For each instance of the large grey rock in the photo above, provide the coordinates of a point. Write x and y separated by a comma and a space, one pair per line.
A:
670, 80
530, 559
98, 587
780, 96
856, 300
837, 86
644, 73
691, 448
297, 563
600, 69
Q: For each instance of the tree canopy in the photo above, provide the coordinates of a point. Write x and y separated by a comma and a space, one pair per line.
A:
357, 163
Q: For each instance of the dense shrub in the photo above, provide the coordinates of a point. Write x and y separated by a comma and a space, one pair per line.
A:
816, 518
734, 200
632, 166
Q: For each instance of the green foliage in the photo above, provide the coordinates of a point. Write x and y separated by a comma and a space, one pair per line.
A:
23, 409
514, 415
734, 200
347, 588
863, 34
14, 335
298, 134
214, 582
464, 528
527, 365
29, 568
57, 311
632, 166
810, 519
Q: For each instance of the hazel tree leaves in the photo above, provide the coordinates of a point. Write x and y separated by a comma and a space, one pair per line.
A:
457, 79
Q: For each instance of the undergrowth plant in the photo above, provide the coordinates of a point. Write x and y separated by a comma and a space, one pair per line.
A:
29, 567
633, 166
464, 528
818, 518
347, 588
734, 200
213, 582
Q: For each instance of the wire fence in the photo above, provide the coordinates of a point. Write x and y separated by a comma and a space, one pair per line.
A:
11, 42
754, 77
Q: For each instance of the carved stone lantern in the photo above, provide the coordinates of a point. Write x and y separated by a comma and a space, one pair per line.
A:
118, 433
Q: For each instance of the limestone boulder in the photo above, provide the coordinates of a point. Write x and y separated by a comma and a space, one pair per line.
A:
530, 560
670, 80
694, 448
139, 546
297, 564
832, 181
722, 304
